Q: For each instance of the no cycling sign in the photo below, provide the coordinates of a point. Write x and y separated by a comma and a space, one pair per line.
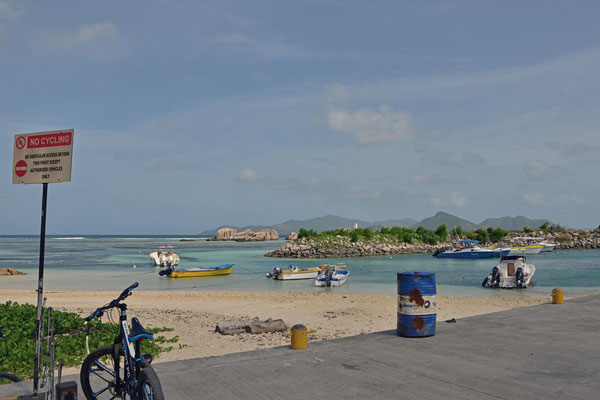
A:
43, 157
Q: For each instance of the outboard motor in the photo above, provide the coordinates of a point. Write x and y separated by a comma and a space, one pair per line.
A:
495, 278
329, 277
276, 272
165, 272
519, 278
438, 251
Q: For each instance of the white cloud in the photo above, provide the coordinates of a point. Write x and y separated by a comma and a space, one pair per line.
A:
540, 200
370, 126
540, 170
248, 176
97, 33
427, 180
9, 10
455, 200
237, 43
573, 150
470, 159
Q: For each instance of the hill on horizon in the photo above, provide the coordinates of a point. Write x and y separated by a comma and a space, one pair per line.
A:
330, 222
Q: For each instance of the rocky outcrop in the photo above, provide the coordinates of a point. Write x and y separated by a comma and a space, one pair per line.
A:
292, 236
10, 272
246, 236
310, 248
344, 247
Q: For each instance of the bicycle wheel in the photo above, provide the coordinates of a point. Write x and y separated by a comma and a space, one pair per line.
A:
5, 377
149, 385
98, 375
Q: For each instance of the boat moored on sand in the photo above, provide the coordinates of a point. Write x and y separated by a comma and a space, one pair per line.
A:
196, 272
293, 273
333, 276
511, 272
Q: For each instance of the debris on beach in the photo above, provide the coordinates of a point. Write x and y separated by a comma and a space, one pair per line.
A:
253, 326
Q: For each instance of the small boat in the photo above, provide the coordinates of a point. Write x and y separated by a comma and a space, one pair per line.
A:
164, 256
468, 249
535, 241
294, 273
511, 272
522, 250
333, 276
196, 272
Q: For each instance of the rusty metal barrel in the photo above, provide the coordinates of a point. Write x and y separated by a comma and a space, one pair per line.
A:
417, 308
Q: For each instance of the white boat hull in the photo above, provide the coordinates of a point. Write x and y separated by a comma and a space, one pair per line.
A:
296, 276
525, 250
511, 273
164, 260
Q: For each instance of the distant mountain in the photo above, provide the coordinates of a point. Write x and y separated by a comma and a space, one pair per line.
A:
442, 218
513, 224
330, 222
406, 222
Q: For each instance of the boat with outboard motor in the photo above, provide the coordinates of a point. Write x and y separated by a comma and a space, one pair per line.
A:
164, 256
293, 273
196, 272
511, 272
332, 276
468, 249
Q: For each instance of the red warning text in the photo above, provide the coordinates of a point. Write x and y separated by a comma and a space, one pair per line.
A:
49, 140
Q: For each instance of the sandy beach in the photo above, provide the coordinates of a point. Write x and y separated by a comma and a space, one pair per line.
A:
194, 314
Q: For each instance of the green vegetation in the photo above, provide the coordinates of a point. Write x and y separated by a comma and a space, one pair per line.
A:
17, 348
397, 235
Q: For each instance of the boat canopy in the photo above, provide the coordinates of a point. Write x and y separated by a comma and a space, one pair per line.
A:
468, 241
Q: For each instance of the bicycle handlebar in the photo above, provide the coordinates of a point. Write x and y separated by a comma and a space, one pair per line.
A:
100, 310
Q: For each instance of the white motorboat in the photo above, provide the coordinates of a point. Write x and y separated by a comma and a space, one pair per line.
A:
164, 256
332, 276
536, 241
511, 272
293, 273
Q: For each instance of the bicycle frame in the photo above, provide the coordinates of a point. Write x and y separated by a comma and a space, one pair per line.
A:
132, 359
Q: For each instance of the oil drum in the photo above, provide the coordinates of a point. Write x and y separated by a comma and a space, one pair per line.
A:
417, 308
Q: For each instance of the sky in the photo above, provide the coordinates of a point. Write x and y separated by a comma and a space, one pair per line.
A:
191, 115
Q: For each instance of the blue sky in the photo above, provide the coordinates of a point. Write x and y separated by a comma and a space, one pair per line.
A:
189, 115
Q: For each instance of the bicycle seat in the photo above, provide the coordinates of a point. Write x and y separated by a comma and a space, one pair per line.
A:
138, 332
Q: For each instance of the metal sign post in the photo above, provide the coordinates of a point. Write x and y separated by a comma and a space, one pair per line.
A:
43, 157
40, 291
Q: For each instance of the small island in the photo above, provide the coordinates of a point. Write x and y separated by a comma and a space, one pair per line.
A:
358, 242
245, 236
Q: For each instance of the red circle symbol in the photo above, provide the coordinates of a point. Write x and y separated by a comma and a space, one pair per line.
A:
21, 168
20, 142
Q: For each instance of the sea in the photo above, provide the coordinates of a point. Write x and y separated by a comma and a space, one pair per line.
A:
113, 262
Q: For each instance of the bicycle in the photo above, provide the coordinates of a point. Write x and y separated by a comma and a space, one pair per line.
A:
6, 377
131, 376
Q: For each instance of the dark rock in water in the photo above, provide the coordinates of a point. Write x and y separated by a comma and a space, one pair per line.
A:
187, 240
10, 272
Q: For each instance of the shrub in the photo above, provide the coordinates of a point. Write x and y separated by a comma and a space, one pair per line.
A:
441, 232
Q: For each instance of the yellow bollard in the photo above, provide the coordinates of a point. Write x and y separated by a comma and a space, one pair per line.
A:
558, 296
299, 336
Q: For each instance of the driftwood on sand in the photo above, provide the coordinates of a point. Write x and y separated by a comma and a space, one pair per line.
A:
253, 326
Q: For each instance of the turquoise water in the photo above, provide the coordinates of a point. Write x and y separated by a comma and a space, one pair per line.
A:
106, 263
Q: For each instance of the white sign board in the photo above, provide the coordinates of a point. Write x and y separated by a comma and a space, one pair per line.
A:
43, 157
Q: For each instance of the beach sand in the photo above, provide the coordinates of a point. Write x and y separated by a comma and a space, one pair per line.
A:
194, 314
